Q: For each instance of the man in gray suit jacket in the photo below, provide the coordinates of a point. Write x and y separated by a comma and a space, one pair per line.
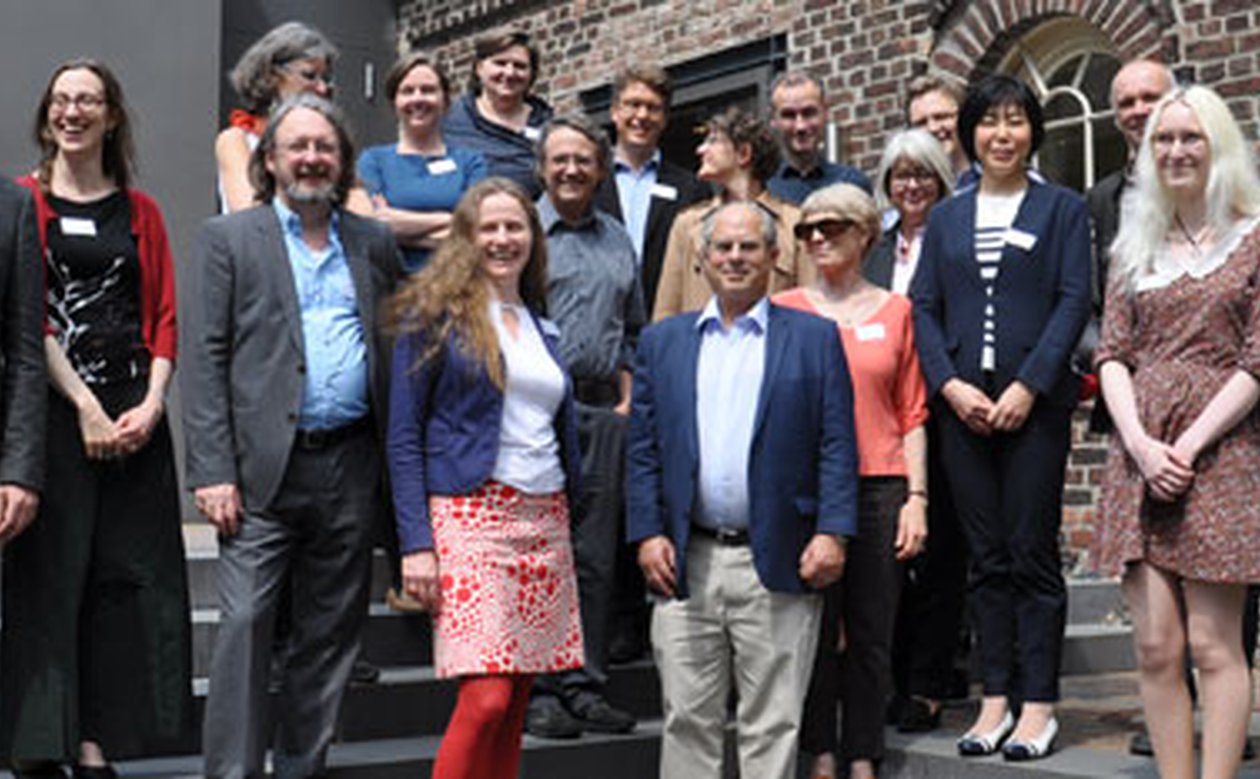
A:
23, 380
285, 397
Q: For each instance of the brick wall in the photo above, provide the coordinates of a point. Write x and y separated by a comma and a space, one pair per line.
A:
865, 51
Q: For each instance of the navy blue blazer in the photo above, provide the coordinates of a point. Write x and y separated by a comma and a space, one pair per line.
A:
802, 470
444, 419
1041, 298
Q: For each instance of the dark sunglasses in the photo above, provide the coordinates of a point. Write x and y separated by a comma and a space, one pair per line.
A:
831, 229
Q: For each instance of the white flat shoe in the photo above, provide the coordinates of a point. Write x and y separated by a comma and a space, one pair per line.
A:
1035, 749
973, 744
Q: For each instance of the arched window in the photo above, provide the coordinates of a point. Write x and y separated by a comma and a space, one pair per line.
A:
1070, 64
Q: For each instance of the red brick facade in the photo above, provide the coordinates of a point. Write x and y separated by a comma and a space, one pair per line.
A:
865, 51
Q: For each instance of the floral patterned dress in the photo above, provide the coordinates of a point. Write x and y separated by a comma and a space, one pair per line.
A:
1182, 333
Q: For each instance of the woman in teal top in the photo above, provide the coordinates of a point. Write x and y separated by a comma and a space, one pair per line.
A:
413, 185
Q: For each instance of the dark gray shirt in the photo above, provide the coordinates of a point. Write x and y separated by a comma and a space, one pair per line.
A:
593, 292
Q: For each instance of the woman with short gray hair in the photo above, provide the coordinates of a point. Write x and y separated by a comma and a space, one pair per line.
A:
289, 59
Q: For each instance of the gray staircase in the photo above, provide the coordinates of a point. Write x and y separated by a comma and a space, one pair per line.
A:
392, 728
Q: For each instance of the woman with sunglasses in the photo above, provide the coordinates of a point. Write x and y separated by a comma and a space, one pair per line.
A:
94, 652
289, 59
838, 225
1000, 298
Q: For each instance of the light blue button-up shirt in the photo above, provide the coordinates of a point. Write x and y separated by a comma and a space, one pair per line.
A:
729, 374
336, 391
634, 190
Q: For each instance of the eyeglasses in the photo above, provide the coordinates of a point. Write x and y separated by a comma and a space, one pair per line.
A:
309, 75
635, 106
917, 175
85, 101
831, 229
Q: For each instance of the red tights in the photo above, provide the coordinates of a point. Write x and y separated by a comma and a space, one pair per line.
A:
483, 739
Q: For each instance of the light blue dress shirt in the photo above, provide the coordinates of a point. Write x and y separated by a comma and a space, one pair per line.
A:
729, 375
333, 340
634, 190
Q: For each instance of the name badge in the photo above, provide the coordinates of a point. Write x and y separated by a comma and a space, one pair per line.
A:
871, 332
1023, 240
664, 191
76, 225
531, 133
444, 165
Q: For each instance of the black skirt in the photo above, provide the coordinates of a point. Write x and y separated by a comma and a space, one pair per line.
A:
96, 637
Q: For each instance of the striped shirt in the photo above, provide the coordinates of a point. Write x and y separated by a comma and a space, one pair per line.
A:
994, 216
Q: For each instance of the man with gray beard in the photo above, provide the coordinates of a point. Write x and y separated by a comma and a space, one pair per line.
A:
285, 396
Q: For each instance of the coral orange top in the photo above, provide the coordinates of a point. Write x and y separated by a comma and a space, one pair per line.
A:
889, 394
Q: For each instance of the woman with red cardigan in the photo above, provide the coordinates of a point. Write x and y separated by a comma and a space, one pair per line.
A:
94, 652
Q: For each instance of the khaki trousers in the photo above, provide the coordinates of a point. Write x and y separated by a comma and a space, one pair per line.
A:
732, 628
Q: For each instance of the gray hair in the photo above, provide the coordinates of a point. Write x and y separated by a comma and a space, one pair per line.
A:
265, 182
917, 146
582, 125
253, 77
769, 228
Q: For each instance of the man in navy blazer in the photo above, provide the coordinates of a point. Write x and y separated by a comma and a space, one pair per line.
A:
742, 485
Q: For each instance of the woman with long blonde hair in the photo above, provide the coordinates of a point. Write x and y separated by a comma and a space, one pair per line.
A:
483, 460
1179, 359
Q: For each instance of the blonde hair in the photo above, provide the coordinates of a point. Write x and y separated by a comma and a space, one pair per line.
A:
449, 297
1147, 209
848, 202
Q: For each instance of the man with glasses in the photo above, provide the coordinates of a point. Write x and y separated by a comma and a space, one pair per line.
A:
645, 191
593, 297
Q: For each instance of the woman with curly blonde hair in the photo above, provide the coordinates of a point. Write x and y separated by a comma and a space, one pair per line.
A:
483, 460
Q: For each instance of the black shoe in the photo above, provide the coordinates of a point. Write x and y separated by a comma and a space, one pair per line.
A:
1249, 751
1140, 744
364, 672
626, 646
596, 715
918, 716
547, 717
93, 772
39, 769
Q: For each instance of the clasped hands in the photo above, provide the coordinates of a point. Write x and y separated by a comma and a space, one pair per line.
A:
111, 439
984, 416
1167, 469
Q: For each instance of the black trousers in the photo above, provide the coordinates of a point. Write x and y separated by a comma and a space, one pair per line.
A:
930, 615
865, 601
596, 538
1008, 490
96, 637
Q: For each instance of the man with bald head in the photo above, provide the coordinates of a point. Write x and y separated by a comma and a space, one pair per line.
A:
1135, 90
741, 488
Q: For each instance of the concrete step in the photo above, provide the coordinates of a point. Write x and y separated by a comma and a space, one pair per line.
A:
410, 702
1095, 601
632, 756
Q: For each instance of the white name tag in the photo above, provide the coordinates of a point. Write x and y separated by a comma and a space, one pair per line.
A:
1023, 240
531, 133
76, 225
664, 191
871, 332
444, 165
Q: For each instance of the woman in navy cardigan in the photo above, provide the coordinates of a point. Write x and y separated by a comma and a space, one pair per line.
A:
998, 307
482, 456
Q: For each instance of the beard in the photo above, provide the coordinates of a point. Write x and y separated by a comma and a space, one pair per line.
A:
312, 195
